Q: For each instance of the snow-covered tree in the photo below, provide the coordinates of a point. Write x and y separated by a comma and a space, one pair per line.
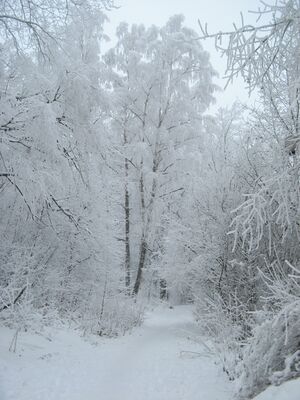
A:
162, 84
265, 224
60, 252
37, 24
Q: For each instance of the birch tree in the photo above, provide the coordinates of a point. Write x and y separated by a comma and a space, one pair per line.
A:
163, 82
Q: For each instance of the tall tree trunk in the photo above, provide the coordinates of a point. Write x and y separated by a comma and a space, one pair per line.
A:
127, 229
143, 245
142, 259
146, 221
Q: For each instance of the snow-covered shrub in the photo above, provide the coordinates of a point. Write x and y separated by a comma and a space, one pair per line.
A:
273, 353
272, 356
266, 223
291, 370
121, 314
222, 325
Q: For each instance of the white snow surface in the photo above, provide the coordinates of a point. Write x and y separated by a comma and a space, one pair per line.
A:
287, 391
157, 361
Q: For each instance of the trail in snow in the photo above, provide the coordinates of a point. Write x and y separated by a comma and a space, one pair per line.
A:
157, 361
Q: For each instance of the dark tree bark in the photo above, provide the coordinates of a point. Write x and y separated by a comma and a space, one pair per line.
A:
143, 245
163, 289
127, 229
142, 259
16, 299
147, 215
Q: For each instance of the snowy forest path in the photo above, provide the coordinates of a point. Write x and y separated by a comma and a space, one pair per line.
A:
159, 361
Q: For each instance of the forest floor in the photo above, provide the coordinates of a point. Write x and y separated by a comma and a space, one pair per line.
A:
158, 361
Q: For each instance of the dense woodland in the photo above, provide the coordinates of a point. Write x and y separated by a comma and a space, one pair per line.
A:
119, 187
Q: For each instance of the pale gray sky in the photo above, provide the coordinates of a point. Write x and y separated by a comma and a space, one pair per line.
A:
219, 14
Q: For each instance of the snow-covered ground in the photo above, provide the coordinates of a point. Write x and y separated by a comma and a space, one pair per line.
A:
287, 391
158, 361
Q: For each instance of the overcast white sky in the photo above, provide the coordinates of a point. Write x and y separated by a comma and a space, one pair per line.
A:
219, 14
